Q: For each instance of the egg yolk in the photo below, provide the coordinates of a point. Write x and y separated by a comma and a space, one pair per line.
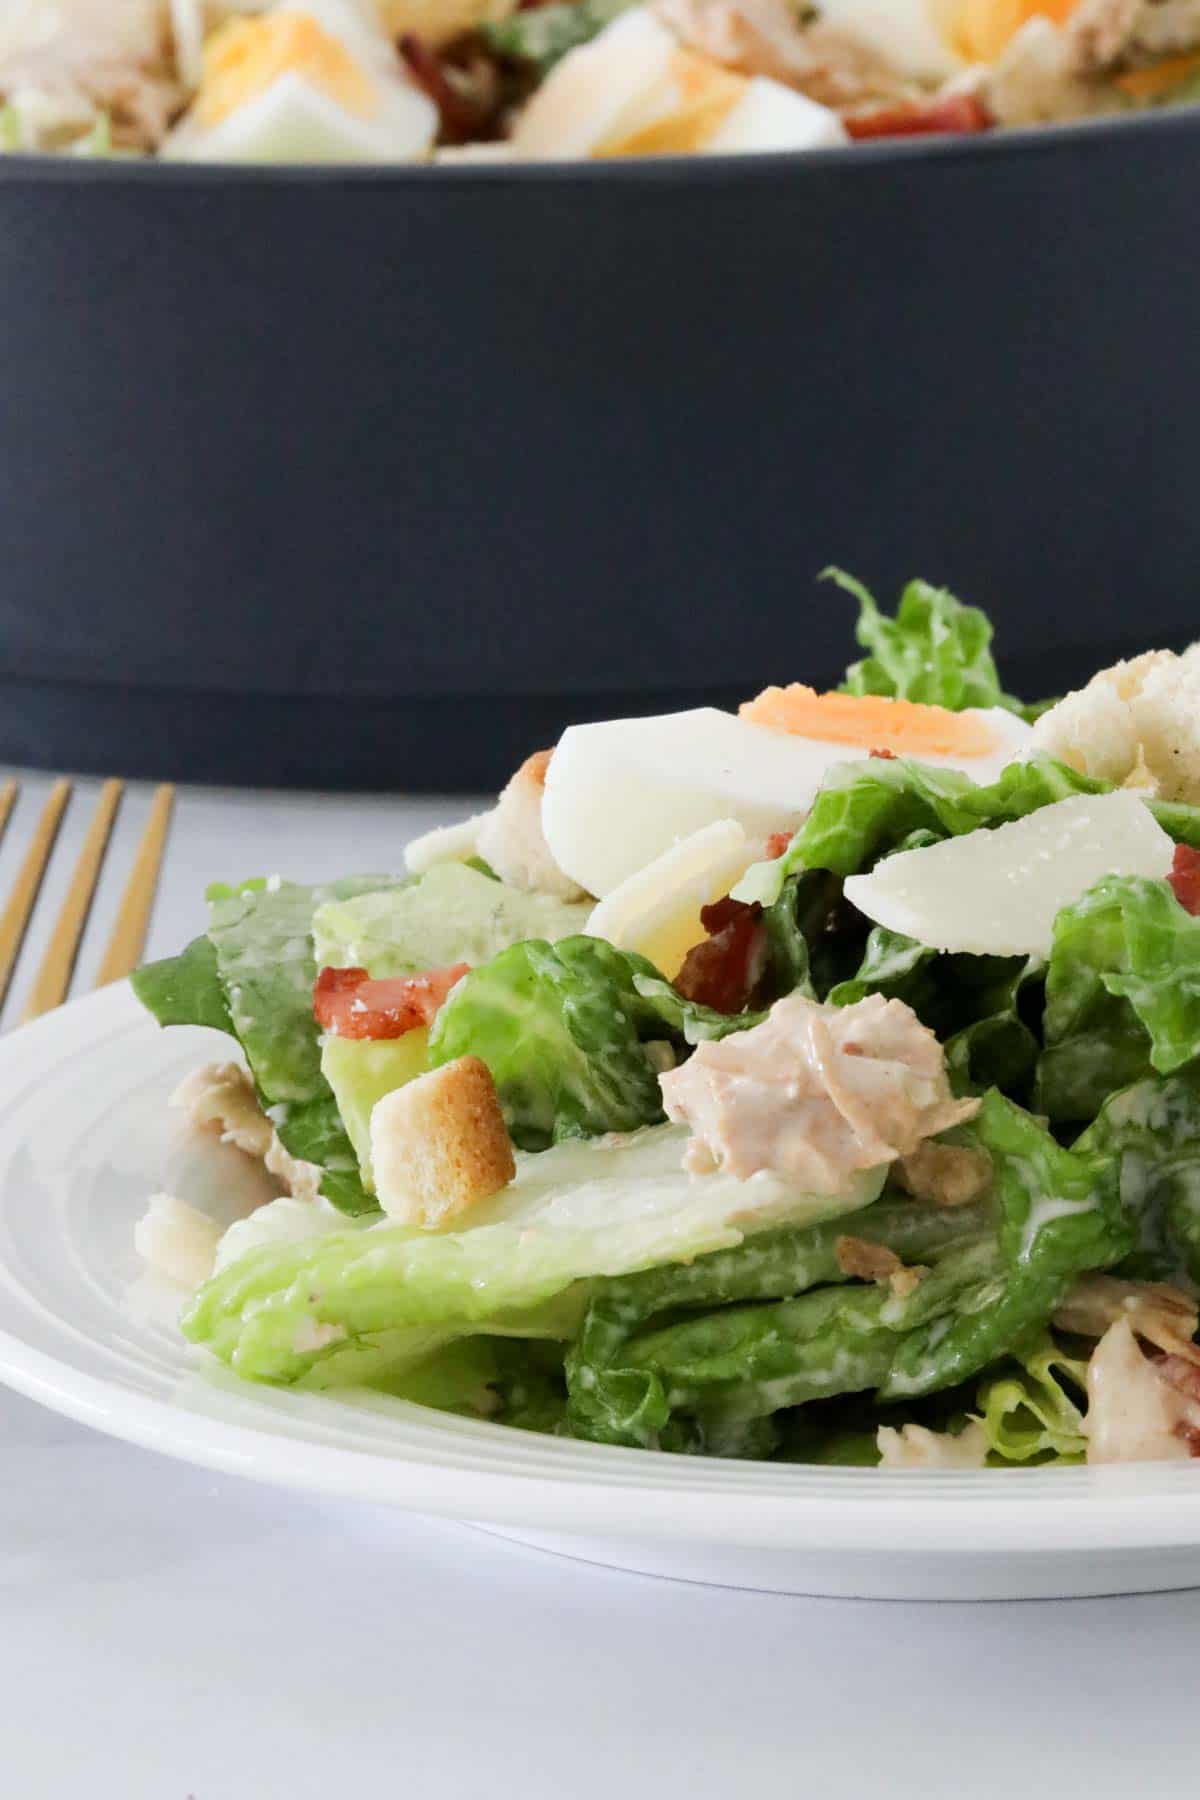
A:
870, 721
246, 56
703, 96
984, 28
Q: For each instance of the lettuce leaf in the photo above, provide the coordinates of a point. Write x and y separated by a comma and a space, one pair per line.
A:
451, 914
560, 1027
1150, 1132
797, 1331
1030, 1410
370, 1299
185, 989
936, 649
1122, 994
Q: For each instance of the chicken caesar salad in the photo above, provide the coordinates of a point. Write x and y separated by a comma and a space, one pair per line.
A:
819, 1081
393, 81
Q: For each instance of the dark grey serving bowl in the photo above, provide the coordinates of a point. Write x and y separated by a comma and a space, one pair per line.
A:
379, 477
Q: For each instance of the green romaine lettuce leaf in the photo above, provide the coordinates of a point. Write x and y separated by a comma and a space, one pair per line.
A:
1122, 994
558, 1026
706, 1380
370, 1298
185, 989
451, 914
935, 650
1151, 1133
1031, 1409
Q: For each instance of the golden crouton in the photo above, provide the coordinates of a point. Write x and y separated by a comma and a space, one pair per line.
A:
439, 1144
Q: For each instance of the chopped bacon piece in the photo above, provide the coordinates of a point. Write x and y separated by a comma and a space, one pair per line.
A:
724, 970
884, 755
460, 118
348, 1004
777, 843
1185, 877
721, 913
957, 113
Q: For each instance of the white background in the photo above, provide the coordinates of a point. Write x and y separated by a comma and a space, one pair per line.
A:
165, 1635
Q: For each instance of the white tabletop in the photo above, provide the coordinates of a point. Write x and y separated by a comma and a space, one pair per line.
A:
165, 1635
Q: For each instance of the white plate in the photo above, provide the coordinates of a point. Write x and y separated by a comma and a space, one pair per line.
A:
85, 1136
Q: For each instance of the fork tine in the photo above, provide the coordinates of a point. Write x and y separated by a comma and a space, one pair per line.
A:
129, 934
58, 964
8, 799
15, 918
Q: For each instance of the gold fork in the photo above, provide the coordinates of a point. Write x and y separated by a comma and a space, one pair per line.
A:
53, 978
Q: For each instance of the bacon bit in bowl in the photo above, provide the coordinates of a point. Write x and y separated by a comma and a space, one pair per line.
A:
347, 1003
955, 115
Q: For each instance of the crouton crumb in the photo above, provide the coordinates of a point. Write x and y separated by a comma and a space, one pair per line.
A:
945, 1174
439, 1145
864, 1261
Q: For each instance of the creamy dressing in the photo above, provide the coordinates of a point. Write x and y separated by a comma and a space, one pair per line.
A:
1045, 1209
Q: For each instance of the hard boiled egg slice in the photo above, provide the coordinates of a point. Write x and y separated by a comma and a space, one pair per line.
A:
619, 794
633, 91
602, 91
770, 116
316, 82
979, 741
996, 893
657, 910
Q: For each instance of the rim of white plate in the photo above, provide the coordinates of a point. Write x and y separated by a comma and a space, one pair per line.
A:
98, 1065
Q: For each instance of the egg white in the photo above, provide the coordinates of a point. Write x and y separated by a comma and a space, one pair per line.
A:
294, 120
622, 793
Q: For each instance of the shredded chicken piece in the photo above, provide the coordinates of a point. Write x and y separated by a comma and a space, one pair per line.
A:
916, 1447
764, 37
222, 1095
814, 1093
511, 838
1107, 34
1139, 1410
945, 1174
866, 1261
1161, 1314
1036, 79
64, 63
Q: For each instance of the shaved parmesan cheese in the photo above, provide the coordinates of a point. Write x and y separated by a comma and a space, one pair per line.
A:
657, 910
997, 893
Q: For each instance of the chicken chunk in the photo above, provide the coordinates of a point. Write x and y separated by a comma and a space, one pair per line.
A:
222, 1096
1135, 1413
511, 838
815, 1093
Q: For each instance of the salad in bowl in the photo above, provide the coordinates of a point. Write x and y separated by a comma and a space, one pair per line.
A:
819, 1081
401, 81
